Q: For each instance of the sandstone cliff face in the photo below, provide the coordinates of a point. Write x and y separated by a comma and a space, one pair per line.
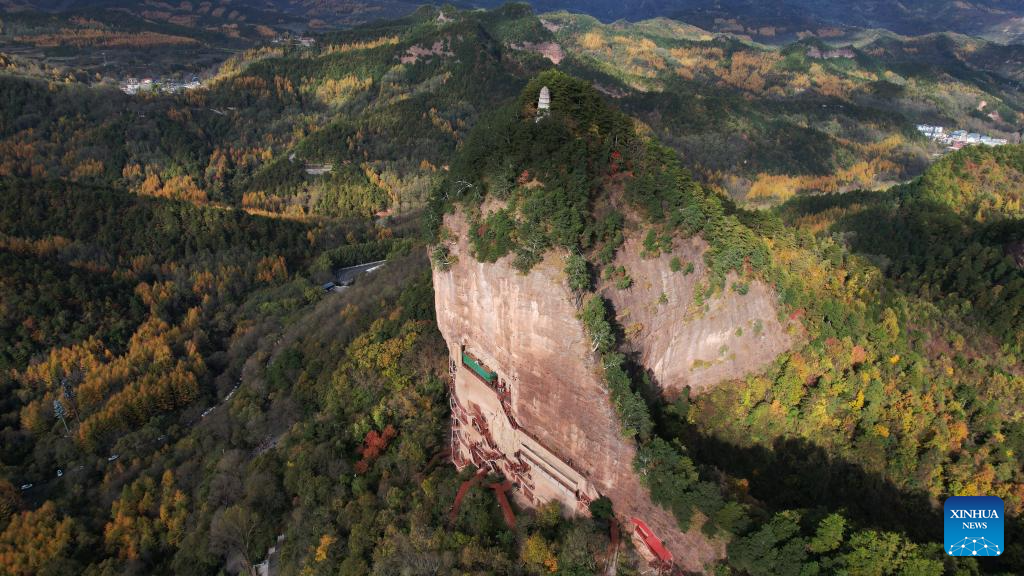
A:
525, 328
681, 345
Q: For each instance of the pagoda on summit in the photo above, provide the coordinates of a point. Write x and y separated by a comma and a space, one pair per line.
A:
544, 103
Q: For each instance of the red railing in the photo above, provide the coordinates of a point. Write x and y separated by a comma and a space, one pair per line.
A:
653, 543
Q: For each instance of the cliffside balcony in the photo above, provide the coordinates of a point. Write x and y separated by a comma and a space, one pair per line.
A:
476, 367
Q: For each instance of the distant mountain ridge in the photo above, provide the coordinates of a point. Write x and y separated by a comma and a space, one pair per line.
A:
997, 20
327, 13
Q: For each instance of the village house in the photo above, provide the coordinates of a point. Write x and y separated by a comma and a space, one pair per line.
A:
957, 139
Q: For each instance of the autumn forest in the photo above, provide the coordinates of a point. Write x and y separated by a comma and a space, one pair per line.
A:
191, 384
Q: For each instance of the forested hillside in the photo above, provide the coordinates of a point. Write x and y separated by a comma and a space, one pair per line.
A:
766, 123
787, 20
177, 388
949, 236
377, 110
761, 122
890, 401
178, 392
1001, 20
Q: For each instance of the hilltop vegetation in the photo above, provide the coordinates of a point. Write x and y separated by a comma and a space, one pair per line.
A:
984, 185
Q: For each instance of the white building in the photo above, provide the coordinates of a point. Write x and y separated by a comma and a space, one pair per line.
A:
131, 86
544, 101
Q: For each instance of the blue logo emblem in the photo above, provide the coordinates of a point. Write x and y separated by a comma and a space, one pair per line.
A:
974, 526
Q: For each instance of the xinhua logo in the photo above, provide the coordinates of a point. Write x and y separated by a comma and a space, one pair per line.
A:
974, 526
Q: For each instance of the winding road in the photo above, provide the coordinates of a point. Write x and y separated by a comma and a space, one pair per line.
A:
346, 276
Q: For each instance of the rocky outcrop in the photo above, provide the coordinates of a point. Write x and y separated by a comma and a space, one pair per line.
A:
817, 54
524, 329
550, 50
416, 53
678, 341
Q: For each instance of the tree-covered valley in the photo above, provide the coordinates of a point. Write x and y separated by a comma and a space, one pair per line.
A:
181, 389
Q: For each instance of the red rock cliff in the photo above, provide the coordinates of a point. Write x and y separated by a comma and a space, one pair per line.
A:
681, 344
524, 327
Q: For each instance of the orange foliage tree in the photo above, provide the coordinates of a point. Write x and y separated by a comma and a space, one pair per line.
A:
373, 446
35, 539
